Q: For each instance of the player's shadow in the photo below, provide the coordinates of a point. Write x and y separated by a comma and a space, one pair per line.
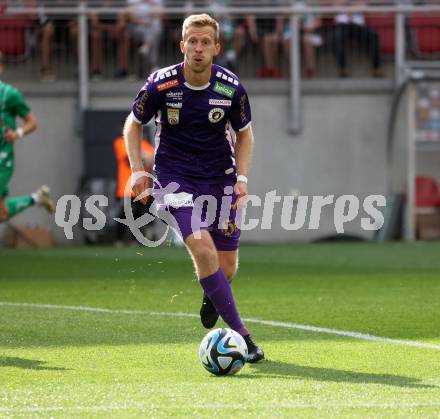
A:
27, 364
276, 369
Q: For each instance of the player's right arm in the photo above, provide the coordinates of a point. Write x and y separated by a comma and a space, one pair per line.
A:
19, 107
143, 109
133, 137
29, 125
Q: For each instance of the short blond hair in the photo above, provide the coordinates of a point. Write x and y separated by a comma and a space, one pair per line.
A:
199, 21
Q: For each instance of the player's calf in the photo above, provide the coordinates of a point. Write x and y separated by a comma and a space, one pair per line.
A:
208, 313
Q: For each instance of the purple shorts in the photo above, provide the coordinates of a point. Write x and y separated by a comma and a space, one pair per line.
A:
188, 207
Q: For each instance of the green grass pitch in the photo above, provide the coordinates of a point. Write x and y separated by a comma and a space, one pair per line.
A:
129, 362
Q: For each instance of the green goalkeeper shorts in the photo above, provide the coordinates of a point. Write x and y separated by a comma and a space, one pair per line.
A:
5, 176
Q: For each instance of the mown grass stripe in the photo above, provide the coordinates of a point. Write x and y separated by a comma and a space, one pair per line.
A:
223, 406
315, 329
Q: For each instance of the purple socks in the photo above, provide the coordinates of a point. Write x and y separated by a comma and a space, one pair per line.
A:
218, 289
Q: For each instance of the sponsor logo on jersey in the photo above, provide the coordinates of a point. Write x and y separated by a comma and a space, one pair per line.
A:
174, 95
168, 85
177, 200
216, 115
173, 116
223, 89
220, 102
177, 105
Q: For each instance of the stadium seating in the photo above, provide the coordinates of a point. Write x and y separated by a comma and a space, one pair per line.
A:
14, 42
427, 192
427, 208
426, 32
384, 26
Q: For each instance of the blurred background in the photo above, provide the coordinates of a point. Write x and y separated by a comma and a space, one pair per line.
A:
345, 98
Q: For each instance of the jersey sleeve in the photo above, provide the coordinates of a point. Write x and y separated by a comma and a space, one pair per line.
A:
240, 115
17, 104
145, 105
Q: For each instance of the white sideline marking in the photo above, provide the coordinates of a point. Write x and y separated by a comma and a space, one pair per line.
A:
356, 335
224, 406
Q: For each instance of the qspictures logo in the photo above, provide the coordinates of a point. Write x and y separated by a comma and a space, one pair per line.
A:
294, 213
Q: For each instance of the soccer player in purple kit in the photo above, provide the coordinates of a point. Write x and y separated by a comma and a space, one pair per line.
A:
196, 103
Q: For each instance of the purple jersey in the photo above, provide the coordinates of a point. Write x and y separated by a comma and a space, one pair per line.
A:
192, 123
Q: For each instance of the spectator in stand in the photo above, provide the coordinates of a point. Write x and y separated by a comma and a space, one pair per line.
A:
310, 39
12, 25
145, 26
233, 33
271, 31
351, 25
227, 56
101, 24
47, 31
172, 23
244, 27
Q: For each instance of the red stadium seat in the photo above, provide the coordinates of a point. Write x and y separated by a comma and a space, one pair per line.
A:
426, 29
13, 36
427, 192
384, 26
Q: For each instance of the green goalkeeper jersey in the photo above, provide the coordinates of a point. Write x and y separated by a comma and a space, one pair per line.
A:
12, 104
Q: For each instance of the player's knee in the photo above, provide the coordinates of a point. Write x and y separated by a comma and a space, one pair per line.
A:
205, 255
230, 271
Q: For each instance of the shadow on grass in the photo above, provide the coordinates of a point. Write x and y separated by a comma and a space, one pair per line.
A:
27, 364
276, 369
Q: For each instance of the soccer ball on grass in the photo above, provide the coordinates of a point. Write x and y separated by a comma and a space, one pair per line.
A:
223, 351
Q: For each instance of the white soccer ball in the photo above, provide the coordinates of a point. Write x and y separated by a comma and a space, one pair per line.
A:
223, 351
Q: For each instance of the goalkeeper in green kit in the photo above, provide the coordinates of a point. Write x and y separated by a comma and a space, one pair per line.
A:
13, 105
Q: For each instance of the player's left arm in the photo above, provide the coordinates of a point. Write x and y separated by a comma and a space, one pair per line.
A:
148, 161
29, 125
243, 156
240, 118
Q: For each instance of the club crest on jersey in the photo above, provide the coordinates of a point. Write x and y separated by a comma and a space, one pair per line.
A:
173, 116
167, 85
216, 115
229, 228
223, 89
